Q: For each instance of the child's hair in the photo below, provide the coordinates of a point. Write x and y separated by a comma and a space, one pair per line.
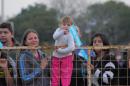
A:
26, 34
7, 25
66, 20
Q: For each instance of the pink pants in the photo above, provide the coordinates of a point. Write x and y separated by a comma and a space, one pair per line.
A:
62, 69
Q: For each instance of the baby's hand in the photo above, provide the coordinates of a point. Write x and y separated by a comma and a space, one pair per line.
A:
65, 28
66, 31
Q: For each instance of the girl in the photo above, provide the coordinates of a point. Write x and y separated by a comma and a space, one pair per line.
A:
62, 60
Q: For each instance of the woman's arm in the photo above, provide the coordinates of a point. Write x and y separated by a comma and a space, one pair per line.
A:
29, 68
70, 46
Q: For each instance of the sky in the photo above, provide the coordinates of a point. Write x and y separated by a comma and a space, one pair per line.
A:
13, 7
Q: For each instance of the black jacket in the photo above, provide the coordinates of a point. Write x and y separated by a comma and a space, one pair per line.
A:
105, 71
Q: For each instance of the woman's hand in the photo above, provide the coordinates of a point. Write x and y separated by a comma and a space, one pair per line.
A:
90, 66
44, 63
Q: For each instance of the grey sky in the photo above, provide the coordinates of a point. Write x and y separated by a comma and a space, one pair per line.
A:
13, 7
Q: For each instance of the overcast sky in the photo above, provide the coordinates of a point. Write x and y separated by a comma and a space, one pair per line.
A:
13, 7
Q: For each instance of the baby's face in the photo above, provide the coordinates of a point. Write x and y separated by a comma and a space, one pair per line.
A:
65, 26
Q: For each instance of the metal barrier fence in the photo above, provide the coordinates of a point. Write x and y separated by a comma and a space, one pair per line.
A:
88, 73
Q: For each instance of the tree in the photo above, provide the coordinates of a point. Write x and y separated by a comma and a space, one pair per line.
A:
69, 7
111, 18
38, 17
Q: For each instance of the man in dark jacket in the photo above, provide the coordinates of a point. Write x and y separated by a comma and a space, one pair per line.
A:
7, 63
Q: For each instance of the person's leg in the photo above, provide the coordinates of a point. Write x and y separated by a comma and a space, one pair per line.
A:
55, 74
66, 70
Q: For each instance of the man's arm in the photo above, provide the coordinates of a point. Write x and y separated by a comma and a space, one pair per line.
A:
8, 77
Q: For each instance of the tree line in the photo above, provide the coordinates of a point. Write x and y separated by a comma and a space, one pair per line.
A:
111, 18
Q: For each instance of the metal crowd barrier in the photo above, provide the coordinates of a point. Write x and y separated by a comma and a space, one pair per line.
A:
82, 73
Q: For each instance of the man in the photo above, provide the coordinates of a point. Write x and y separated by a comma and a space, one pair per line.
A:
7, 64
7, 35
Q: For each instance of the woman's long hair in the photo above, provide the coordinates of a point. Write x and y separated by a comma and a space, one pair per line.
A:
104, 40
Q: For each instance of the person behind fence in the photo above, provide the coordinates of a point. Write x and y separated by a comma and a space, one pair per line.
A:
62, 59
128, 62
8, 71
124, 67
32, 64
104, 72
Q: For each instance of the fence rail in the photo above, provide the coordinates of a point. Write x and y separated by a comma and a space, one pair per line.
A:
83, 47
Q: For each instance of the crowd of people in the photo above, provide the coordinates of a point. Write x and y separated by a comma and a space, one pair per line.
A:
65, 67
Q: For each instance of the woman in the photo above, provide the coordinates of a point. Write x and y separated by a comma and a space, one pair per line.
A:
32, 63
104, 72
